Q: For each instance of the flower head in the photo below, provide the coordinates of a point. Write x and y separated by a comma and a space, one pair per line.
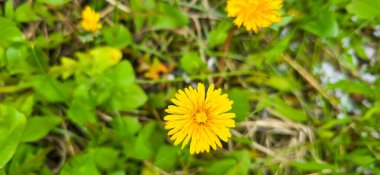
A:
254, 14
201, 117
156, 69
90, 20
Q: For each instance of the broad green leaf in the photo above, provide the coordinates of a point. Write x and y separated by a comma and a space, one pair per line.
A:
220, 167
168, 17
81, 113
34, 130
139, 8
218, 35
103, 58
54, 2
241, 104
25, 104
130, 97
325, 25
280, 83
243, 160
167, 158
157, 100
25, 13
81, 165
124, 94
17, 60
50, 89
12, 125
281, 109
142, 148
364, 8
192, 63
130, 126
122, 75
105, 153
9, 32
117, 36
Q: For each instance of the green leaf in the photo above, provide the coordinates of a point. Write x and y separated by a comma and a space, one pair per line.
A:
131, 97
281, 109
241, 104
143, 148
220, 167
117, 36
12, 124
30, 157
50, 89
104, 58
364, 8
25, 104
123, 74
352, 87
130, 126
9, 9
54, 2
34, 130
9, 32
54, 40
157, 100
2, 57
81, 113
167, 158
17, 60
280, 83
105, 153
325, 25
125, 93
312, 166
219, 34
168, 17
243, 160
192, 63
81, 165
25, 13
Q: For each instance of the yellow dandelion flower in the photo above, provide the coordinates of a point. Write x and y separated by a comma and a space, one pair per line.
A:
254, 14
200, 117
90, 20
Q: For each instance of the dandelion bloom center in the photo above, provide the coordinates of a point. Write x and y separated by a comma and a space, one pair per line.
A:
200, 117
254, 14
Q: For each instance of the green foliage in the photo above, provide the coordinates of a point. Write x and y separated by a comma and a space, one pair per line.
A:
219, 34
192, 63
241, 104
9, 32
33, 130
12, 124
364, 8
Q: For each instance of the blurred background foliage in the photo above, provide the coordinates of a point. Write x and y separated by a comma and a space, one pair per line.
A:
306, 90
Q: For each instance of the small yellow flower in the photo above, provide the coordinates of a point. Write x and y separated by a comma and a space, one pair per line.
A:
90, 20
200, 117
254, 14
156, 69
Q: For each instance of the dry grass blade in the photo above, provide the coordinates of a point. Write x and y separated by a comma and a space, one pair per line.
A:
310, 79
